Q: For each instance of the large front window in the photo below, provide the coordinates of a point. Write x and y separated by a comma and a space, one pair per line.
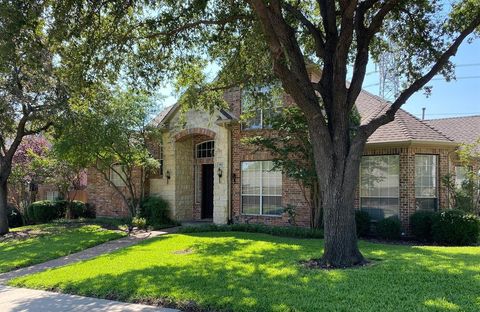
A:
261, 188
379, 186
426, 182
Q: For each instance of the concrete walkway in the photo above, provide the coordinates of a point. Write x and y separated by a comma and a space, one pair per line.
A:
84, 254
22, 299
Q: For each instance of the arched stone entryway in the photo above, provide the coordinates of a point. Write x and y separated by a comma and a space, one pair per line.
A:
194, 183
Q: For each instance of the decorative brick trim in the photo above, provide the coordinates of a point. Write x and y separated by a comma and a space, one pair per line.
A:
193, 131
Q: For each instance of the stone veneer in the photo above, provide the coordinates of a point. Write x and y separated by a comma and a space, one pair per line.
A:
184, 132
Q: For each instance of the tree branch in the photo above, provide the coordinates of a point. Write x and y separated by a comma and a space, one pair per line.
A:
312, 29
366, 130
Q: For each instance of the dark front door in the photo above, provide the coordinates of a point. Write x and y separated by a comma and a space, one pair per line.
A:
207, 191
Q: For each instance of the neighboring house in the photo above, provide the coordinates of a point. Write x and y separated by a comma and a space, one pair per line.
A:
208, 174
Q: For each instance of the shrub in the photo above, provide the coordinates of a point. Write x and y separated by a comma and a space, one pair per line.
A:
288, 231
14, 216
421, 224
139, 222
46, 210
362, 220
156, 211
77, 209
454, 227
91, 211
389, 228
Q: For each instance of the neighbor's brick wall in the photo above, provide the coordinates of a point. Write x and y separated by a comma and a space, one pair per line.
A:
105, 198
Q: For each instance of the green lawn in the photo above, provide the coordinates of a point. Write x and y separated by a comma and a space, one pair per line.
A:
38, 243
256, 272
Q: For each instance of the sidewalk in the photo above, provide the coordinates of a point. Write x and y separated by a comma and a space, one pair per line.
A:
29, 300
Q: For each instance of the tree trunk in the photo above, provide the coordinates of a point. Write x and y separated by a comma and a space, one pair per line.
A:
341, 248
3, 208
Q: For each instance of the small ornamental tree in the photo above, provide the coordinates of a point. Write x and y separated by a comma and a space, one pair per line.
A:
24, 173
111, 135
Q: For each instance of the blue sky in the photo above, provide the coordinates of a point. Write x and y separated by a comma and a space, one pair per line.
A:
448, 99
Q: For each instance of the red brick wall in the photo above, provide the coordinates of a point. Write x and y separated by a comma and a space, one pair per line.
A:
105, 198
292, 193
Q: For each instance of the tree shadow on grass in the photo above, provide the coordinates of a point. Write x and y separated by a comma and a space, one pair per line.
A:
252, 272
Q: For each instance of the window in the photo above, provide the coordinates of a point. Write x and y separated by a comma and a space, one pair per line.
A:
205, 149
117, 176
460, 176
52, 195
261, 188
259, 106
426, 182
379, 186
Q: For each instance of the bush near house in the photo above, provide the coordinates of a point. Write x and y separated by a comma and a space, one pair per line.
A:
156, 211
455, 227
421, 224
389, 228
286, 231
15, 218
363, 222
48, 210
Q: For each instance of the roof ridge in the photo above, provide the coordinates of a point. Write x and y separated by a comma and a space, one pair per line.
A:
457, 117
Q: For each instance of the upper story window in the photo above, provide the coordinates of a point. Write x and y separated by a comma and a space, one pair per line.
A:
379, 186
117, 175
205, 149
259, 106
426, 182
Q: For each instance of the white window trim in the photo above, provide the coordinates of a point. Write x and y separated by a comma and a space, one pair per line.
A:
257, 195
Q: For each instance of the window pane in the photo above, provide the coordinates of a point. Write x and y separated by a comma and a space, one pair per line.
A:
251, 204
379, 185
272, 180
426, 204
460, 175
205, 149
272, 205
251, 177
380, 207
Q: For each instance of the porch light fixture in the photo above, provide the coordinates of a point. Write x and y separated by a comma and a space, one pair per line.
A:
220, 172
168, 175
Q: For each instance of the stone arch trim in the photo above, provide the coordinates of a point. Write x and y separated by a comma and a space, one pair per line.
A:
193, 131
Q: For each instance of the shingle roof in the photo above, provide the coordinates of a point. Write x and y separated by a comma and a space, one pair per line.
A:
161, 116
405, 126
460, 129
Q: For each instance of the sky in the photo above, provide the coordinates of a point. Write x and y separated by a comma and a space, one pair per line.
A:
460, 97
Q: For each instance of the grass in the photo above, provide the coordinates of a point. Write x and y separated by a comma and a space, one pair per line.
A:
236, 271
34, 244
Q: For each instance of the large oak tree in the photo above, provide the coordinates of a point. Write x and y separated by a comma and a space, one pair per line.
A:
257, 41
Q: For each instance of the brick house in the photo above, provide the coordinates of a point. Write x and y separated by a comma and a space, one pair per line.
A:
208, 174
